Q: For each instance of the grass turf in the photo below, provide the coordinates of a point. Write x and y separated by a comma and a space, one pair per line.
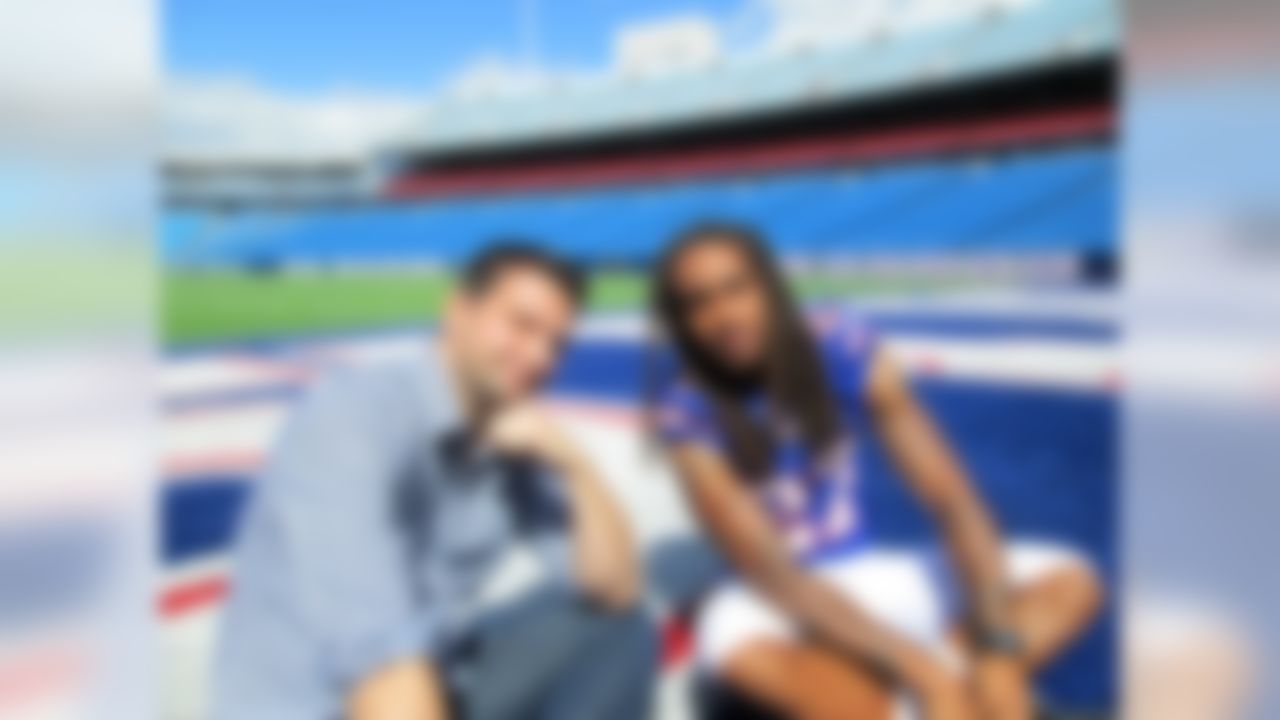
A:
228, 306
210, 307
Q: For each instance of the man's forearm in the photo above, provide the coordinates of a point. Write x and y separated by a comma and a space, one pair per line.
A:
603, 554
603, 558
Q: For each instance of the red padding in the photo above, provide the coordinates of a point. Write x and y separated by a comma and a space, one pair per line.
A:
191, 596
763, 156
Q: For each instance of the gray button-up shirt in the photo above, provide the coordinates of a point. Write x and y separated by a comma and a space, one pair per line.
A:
367, 540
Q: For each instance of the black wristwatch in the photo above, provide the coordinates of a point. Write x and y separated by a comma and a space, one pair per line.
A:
998, 641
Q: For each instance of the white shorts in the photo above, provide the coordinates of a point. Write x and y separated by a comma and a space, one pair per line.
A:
908, 591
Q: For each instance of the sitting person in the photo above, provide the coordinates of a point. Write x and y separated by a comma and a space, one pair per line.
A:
762, 420
389, 498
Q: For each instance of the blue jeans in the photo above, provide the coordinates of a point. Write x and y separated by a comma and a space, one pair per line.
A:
554, 656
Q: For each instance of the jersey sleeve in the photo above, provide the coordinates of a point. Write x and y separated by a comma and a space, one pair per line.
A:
848, 344
683, 416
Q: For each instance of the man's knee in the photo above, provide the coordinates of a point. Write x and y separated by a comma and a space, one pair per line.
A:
597, 630
631, 631
557, 648
613, 674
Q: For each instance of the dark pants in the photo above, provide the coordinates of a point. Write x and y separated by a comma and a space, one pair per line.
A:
552, 656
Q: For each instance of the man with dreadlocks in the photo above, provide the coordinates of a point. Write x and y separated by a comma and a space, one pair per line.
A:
763, 420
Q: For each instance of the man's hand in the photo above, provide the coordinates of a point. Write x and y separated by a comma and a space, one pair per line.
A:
529, 430
604, 557
1001, 689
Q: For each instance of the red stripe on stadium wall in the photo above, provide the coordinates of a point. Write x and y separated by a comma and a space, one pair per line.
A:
192, 595
758, 157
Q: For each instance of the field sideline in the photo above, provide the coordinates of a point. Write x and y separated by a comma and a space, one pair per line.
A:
225, 306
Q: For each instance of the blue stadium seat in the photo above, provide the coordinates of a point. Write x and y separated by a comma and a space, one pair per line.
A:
1059, 200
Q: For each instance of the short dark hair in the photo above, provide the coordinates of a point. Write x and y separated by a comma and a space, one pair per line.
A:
500, 257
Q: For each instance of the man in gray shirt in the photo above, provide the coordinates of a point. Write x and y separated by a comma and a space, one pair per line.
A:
393, 492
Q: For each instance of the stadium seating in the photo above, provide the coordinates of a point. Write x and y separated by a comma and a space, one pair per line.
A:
1059, 200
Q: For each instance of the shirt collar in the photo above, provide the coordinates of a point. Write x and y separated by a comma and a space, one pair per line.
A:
450, 435
440, 395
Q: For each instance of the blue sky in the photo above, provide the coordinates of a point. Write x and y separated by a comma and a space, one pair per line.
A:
395, 46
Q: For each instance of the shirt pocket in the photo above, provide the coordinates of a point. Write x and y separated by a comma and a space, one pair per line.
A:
471, 529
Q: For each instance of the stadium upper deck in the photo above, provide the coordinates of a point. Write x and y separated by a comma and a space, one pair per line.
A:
939, 44
925, 59
983, 131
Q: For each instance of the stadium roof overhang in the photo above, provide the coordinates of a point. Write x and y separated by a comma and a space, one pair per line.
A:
1069, 103
1032, 36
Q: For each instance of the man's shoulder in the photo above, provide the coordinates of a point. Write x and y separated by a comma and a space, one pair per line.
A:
361, 382
368, 414
373, 392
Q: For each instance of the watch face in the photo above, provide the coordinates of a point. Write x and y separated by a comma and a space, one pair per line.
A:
1001, 641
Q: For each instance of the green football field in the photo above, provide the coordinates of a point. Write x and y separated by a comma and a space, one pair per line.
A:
230, 306
224, 306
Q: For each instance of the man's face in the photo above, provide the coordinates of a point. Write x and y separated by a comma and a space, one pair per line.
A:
508, 336
725, 304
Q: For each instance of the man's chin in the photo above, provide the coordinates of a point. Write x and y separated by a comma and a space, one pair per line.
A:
507, 396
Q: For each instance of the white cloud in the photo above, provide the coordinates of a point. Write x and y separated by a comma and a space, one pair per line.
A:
797, 23
214, 118
235, 117
673, 44
650, 47
493, 75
